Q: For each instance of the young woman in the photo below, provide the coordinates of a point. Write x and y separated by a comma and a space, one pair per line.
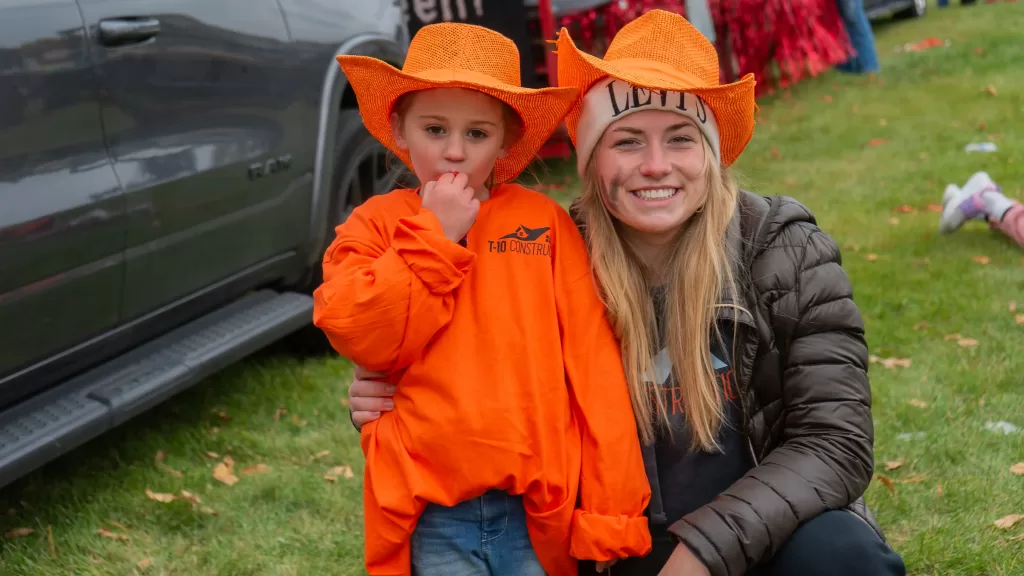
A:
744, 350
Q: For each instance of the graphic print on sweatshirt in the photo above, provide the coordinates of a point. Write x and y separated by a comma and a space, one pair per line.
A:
688, 478
523, 240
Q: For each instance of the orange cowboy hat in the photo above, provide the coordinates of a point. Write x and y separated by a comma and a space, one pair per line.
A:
452, 55
661, 51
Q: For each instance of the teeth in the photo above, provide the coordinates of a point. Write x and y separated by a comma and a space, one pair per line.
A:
659, 194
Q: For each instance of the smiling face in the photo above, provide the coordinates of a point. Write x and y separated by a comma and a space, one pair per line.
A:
452, 130
651, 167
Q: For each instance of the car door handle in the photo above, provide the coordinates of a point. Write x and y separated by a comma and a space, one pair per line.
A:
121, 31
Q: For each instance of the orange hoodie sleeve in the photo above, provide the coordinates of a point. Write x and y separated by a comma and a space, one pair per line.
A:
384, 298
614, 491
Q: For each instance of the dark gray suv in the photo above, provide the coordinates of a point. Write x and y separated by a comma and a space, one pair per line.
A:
170, 174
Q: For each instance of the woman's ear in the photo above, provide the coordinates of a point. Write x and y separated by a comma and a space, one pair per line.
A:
397, 132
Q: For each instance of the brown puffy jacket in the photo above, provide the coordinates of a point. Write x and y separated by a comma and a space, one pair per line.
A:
801, 364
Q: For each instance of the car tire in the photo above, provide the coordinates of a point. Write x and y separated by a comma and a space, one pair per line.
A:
916, 9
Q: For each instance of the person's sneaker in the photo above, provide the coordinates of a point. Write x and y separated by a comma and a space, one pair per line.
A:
951, 190
960, 206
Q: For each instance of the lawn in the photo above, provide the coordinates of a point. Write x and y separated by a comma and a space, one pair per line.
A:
869, 157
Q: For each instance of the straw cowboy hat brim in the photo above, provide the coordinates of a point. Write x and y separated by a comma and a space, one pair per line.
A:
378, 86
733, 104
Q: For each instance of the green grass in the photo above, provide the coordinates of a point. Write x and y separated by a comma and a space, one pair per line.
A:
290, 520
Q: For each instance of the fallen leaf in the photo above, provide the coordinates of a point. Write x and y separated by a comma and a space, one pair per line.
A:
214, 430
852, 246
776, 154
890, 363
921, 324
883, 122
144, 563
894, 221
190, 497
1012, 306
955, 336
117, 525
991, 90
321, 454
1020, 318
159, 497
982, 126
49, 539
934, 207
979, 51
938, 491
208, 510
159, 458
213, 455
257, 469
967, 342
1007, 522
877, 142
333, 473
19, 532
887, 482
345, 402
871, 257
915, 479
893, 464
918, 403
224, 472
1018, 468
905, 208
113, 535
280, 412
982, 259
827, 98
222, 415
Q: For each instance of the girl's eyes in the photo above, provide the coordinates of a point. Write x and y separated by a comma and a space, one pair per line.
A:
475, 134
680, 139
625, 142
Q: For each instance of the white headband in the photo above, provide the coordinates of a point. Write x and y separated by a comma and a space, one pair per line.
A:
612, 99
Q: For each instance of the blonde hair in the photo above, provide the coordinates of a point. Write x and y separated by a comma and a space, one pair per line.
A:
699, 275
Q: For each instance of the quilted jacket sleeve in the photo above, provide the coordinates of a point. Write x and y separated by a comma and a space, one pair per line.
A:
824, 459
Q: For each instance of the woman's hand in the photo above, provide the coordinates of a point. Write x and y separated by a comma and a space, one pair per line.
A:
683, 562
368, 396
602, 566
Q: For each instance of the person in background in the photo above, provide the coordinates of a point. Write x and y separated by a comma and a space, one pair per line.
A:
858, 27
982, 199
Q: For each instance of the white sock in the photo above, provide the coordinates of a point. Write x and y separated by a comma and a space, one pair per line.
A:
996, 204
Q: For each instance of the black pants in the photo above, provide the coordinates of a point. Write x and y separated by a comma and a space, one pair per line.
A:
836, 543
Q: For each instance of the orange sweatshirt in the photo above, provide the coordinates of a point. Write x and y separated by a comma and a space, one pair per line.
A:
508, 375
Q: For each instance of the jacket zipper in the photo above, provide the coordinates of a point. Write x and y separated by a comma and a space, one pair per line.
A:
744, 388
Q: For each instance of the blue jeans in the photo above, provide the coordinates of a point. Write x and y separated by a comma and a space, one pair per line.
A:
858, 27
485, 536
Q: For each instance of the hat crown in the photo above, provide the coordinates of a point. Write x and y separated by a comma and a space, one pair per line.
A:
463, 47
669, 39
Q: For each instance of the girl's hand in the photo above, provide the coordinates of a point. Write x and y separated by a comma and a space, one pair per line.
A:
368, 396
683, 562
453, 202
602, 566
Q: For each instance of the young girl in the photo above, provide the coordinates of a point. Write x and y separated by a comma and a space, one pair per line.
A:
475, 297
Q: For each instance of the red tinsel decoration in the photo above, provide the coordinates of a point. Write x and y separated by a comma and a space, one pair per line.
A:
780, 41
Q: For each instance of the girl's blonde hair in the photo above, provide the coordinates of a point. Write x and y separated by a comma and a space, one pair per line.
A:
699, 273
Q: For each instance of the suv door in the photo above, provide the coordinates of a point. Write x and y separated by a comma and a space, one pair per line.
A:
61, 210
195, 106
